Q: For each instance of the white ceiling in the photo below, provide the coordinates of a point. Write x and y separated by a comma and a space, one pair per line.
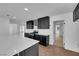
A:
35, 11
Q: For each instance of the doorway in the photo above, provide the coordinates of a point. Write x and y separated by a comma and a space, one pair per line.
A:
58, 33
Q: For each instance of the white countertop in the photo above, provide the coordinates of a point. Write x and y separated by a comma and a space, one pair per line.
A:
11, 45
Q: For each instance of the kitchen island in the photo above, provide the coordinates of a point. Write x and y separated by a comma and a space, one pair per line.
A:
18, 46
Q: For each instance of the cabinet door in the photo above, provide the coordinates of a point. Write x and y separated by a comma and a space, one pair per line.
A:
22, 53
43, 23
44, 39
30, 24
32, 51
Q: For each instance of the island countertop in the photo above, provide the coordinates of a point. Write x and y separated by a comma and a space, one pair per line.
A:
11, 45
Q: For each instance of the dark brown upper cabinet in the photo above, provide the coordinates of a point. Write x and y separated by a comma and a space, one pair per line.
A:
30, 24
76, 13
43, 23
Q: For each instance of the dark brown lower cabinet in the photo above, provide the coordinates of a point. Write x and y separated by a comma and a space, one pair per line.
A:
43, 39
31, 51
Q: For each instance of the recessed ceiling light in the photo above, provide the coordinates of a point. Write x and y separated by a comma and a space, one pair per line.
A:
26, 9
14, 17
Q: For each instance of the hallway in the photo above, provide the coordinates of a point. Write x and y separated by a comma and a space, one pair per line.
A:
55, 51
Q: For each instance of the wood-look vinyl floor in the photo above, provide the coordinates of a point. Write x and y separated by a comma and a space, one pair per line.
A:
55, 51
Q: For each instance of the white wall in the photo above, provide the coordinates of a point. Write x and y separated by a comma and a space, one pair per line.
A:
71, 31
13, 29
4, 26
7, 28
16, 29
44, 31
